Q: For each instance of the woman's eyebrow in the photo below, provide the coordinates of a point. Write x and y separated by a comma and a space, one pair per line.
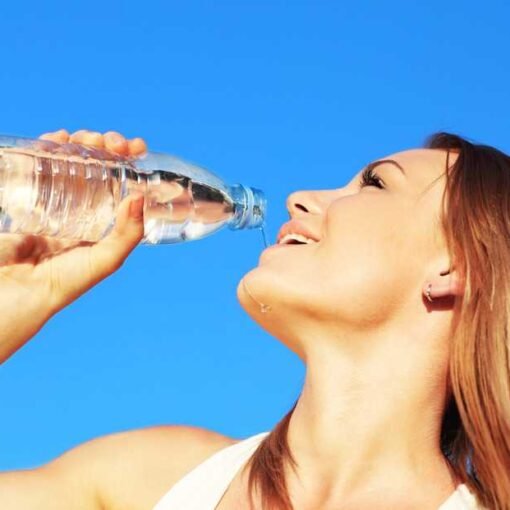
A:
375, 164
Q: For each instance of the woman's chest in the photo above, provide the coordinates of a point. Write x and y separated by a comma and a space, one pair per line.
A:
236, 497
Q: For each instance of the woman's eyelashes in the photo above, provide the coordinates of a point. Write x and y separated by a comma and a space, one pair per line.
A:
370, 178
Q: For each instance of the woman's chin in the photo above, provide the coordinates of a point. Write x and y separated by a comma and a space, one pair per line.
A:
262, 299
272, 250
254, 291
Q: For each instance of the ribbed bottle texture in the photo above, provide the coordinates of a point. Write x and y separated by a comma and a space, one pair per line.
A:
73, 192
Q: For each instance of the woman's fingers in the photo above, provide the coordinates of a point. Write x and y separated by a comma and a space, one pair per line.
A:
76, 137
109, 254
92, 139
60, 136
137, 146
115, 142
111, 141
86, 137
73, 270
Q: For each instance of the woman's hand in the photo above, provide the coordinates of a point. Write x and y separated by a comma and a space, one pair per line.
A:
41, 275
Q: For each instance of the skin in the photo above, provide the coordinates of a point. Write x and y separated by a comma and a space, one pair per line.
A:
365, 432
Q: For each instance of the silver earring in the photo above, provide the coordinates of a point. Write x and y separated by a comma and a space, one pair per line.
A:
427, 293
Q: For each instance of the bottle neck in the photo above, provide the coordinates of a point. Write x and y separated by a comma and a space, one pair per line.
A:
249, 207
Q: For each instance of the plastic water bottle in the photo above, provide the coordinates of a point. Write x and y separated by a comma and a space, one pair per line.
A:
72, 192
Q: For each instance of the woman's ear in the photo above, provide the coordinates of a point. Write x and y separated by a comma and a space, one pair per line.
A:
445, 284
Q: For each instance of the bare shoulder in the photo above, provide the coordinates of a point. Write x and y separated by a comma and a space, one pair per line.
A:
138, 467
127, 470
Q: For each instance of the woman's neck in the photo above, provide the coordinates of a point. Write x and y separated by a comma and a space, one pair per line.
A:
366, 427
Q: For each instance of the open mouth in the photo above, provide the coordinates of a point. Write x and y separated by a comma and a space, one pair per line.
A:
295, 239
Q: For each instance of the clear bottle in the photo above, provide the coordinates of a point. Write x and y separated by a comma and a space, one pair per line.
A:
73, 192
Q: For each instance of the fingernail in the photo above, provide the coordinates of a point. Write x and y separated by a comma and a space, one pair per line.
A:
136, 208
114, 137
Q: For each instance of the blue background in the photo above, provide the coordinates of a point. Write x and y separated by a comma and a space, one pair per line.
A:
281, 95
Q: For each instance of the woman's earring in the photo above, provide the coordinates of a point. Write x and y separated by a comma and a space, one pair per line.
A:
427, 293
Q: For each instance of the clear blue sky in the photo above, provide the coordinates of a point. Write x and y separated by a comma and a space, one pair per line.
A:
281, 95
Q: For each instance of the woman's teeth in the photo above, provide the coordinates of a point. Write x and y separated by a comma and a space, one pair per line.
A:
287, 239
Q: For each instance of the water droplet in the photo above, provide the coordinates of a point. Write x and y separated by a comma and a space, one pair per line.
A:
263, 308
264, 238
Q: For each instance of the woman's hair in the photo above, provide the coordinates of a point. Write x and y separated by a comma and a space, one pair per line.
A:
475, 429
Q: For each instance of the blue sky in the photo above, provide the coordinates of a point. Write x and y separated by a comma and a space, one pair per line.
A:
280, 95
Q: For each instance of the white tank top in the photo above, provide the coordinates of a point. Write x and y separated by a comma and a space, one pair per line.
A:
204, 486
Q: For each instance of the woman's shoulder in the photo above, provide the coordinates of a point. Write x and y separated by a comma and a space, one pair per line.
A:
135, 468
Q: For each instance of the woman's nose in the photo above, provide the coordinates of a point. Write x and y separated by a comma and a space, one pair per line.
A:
313, 202
299, 202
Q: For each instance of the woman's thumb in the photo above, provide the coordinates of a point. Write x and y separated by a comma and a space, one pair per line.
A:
128, 231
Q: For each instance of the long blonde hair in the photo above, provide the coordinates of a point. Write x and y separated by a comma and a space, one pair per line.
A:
475, 430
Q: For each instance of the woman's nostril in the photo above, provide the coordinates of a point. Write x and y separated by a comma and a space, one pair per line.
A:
300, 201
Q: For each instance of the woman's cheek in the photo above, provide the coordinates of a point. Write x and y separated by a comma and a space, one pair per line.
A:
357, 277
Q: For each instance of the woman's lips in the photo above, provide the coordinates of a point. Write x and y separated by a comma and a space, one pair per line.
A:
296, 227
275, 247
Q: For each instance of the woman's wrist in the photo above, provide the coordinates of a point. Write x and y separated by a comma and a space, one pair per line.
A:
20, 321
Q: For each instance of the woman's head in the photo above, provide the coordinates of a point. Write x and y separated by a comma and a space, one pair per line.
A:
441, 217
378, 243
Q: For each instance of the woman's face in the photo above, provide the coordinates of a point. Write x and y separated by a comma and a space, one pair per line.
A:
376, 248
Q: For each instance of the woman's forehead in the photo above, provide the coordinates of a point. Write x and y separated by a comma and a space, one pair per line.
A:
423, 163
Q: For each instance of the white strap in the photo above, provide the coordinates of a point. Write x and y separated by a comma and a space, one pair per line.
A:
204, 486
461, 499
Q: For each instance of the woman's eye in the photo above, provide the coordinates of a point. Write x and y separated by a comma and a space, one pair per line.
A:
370, 178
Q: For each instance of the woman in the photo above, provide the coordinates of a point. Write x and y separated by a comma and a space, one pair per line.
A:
398, 305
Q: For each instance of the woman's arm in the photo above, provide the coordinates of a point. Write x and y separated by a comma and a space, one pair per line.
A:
125, 471
41, 275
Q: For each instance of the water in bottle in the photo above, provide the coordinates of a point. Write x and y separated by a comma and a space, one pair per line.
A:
70, 191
